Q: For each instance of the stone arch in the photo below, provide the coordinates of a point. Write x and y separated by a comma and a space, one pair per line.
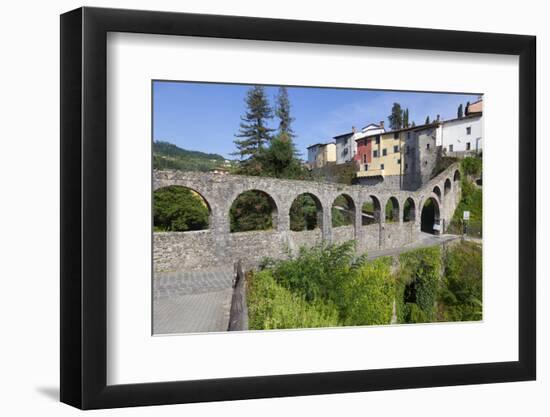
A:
447, 186
371, 211
179, 208
253, 209
301, 212
430, 216
437, 191
456, 176
343, 210
409, 210
392, 210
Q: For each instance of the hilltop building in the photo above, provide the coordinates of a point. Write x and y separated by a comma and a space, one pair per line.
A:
346, 143
463, 136
321, 154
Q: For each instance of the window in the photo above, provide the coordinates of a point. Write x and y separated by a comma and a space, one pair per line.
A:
425, 162
366, 167
468, 130
384, 152
450, 148
406, 166
468, 146
427, 146
396, 148
365, 158
375, 154
408, 135
399, 161
377, 140
381, 166
396, 135
407, 149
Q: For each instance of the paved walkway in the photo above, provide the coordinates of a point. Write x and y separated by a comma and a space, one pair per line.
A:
191, 302
426, 240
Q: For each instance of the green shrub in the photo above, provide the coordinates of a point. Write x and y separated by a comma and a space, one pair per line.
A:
271, 306
368, 295
460, 295
417, 285
472, 166
179, 209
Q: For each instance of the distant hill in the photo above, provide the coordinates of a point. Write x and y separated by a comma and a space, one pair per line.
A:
169, 156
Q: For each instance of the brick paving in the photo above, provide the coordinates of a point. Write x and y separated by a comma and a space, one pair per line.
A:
192, 302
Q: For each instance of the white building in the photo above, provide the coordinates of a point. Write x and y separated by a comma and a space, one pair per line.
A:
463, 135
346, 144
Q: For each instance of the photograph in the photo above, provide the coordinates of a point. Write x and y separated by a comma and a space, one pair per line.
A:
296, 207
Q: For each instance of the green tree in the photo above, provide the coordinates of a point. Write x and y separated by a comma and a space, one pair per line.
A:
254, 132
427, 122
303, 213
179, 209
280, 159
406, 118
283, 113
252, 210
460, 111
396, 117
467, 106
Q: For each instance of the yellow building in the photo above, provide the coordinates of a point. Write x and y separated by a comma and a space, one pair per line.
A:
385, 155
321, 154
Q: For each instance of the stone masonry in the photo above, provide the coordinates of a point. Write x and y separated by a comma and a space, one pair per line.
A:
217, 247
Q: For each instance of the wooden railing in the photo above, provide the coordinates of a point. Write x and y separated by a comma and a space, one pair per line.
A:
238, 314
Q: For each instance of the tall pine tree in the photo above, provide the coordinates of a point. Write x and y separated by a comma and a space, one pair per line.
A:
283, 113
406, 118
254, 131
427, 122
460, 111
396, 117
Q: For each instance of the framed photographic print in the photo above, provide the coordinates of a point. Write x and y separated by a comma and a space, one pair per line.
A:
257, 208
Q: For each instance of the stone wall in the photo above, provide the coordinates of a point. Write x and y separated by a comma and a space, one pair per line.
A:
217, 246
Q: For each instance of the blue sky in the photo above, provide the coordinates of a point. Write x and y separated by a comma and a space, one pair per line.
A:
205, 117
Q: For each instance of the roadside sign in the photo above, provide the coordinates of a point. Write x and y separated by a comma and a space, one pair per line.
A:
466, 215
437, 226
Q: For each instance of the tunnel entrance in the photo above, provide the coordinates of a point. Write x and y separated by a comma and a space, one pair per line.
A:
430, 217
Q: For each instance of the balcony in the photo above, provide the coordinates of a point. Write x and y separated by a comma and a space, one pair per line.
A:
370, 173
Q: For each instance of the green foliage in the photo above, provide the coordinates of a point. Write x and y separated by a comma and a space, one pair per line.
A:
442, 164
317, 273
472, 166
460, 111
389, 212
460, 296
427, 121
169, 156
254, 131
283, 113
342, 212
280, 160
271, 306
417, 284
251, 210
368, 295
303, 213
396, 117
179, 209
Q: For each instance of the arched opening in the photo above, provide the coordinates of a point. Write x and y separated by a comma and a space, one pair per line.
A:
306, 213
370, 211
430, 216
409, 210
179, 209
392, 210
456, 176
437, 191
343, 211
253, 210
447, 186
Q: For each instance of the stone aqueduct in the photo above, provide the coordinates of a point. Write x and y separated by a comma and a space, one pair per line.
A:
216, 246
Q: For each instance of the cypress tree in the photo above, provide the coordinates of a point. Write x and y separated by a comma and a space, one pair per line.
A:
283, 113
396, 117
427, 122
460, 111
254, 130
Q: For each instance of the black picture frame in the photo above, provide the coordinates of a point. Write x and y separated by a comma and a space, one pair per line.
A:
84, 207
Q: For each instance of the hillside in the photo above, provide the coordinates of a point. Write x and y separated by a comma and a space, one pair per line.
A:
169, 156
